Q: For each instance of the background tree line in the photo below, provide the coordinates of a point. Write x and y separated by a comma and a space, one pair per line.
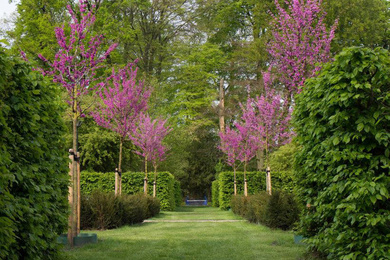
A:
189, 51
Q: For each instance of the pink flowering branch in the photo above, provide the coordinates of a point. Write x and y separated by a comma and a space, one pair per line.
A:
148, 137
300, 41
121, 104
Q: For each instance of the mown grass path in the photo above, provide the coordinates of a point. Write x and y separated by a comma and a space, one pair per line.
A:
192, 239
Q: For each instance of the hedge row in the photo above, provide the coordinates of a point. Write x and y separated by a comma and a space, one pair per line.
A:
223, 187
102, 210
33, 165
277, 211
167, 188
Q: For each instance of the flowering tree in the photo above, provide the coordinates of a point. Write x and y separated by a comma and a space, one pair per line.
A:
120, 106
148, 137
230, 145
300, 42
74, 67
248, 146
268, 120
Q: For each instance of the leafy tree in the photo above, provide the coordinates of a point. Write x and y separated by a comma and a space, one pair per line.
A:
148, 136
121, 106
33, 165
74, 67
361, 23
342, 166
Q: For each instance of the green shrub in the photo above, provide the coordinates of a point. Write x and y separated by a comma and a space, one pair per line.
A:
282, 211
33, 165
215, 193
256, 183
102, 210
133, 183
342, 120
277, 211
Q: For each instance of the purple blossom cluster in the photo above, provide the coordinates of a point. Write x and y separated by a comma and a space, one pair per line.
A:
300, 42
78, 58
148, 137
122, 101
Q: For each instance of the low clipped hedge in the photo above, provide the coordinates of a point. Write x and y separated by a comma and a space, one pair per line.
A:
224, 190
102, 210
167, 191
277, 211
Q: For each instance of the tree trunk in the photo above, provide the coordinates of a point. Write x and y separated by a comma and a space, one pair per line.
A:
74, 182
235, 181
118, 174
245, 181
78, 194
146, 176
155, 181
260, 159
269, 186
70, 199
221, 111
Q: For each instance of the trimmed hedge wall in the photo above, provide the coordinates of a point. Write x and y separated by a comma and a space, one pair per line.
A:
133, 183
215, 193
223, 191
33, 165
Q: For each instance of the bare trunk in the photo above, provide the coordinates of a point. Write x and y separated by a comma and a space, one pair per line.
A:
245, 181
155, 181
146, 176
268, 176
70, 199
235, 181
78, 193
119, 177
269, 186
221, 111
72, 231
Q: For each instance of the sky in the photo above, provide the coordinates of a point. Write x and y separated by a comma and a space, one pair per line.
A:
6, 8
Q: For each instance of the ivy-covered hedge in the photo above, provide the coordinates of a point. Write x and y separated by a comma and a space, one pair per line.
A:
133, 183
256, 183
33, 164
342, 120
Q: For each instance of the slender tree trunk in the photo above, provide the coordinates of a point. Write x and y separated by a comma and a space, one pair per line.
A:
268, 174
146, 176
245, 181
74, 182
70, 199
235, 180
260, 159
155, 181
221, 111
118, 173
78, 194
269, 188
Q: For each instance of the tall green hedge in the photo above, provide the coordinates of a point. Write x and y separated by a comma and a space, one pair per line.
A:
342, 121
256, 183
215, 193
133, 183
33, 164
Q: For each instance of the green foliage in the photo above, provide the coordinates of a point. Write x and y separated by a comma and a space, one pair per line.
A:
215, 193
277, 211
101, 210
178, 195
256, 183
361, 23
33, 179
133, 183
342, 120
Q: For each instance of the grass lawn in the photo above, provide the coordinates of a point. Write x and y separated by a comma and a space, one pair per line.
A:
224, 240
